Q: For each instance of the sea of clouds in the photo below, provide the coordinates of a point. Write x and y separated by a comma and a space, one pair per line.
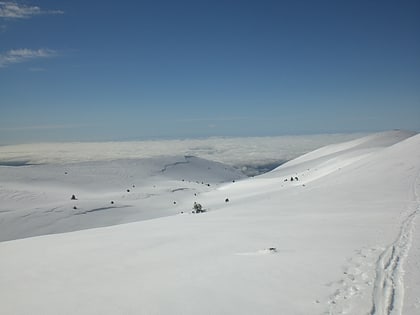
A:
253, 155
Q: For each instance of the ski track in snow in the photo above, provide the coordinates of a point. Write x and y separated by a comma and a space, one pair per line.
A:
388, 292
386, 274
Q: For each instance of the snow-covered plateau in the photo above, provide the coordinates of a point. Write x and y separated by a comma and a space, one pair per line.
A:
334, 231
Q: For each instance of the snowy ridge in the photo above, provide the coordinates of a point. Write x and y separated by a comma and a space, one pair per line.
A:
328, 159
370, 143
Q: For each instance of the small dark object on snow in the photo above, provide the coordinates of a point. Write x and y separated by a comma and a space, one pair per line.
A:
174, 202
134, 186
65, 173
182, 212
285, 180
128, 190
112, 202
198, 208
74, 207
227, 200
296, 178
233, 181
272, 249
291, 179
208, 185
195, 194
73, 197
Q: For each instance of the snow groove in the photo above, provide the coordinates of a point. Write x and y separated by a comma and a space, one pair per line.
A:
165, 167
388, 291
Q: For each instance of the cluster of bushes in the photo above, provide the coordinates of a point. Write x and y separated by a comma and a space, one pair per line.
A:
292, 179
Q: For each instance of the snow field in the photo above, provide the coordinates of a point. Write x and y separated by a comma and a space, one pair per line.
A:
343, 242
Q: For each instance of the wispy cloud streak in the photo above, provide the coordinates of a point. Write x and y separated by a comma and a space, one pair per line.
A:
21, 55
13, 10
216, 119
41, 127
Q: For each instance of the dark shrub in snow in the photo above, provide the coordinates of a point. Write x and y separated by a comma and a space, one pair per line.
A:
198, 208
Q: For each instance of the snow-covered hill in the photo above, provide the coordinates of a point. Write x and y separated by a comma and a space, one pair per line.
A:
37, 199
338, 239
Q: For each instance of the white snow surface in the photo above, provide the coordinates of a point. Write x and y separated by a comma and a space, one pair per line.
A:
37, 199
342, 239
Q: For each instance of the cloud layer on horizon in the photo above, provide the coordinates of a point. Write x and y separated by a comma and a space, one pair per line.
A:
239, 152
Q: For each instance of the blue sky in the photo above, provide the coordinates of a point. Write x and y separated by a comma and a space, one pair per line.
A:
126, 70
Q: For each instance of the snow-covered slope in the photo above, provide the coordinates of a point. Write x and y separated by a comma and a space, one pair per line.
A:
36, 199
331, 158
339, 240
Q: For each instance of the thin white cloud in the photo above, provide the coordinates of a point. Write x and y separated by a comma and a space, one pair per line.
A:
14, 10
22, 55
40, 127
216, 119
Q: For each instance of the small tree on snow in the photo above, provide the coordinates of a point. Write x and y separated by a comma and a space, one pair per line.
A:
197, 207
